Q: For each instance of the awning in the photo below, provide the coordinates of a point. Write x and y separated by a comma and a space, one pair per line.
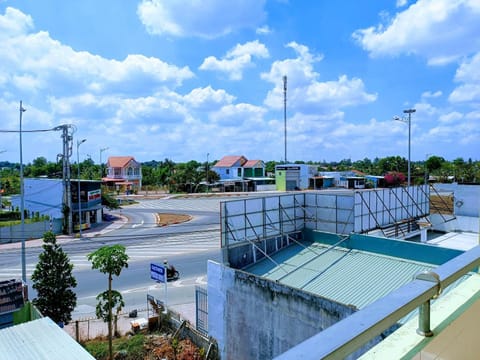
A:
112, 179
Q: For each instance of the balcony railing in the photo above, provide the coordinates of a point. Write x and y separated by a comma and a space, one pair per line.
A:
351, 333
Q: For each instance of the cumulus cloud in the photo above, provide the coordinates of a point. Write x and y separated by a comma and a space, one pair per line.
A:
239, 115
441, 31
207, 98
206, 19
236, 59
59, 68
305, 92
468, 75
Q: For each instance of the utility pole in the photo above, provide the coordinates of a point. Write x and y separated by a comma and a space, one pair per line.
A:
66, 177
22, 201
101, 163
285, 113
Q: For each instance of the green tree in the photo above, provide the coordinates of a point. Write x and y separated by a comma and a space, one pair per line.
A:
109, 260
53, 280
434, 163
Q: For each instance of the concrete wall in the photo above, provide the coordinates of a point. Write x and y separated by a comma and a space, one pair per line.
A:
466, 198
460, 223
254, 318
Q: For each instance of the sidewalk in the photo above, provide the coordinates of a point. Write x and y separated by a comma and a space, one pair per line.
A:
98, 230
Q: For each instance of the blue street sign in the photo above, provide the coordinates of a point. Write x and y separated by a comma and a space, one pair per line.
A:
157, 272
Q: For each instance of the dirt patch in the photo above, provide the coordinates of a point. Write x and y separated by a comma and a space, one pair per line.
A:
165, 219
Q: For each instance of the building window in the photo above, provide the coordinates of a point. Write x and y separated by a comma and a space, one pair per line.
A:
227, 171
239, 172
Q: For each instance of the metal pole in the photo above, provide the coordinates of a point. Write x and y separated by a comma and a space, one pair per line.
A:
409, 112
409, 146
207, 172
165, 266
22, 201
78, 190
1, 207
101, 163
285, 113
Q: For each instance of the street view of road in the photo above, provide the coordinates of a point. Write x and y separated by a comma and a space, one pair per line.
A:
188, 246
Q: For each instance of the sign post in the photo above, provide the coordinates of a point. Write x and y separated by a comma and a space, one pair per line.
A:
159, 274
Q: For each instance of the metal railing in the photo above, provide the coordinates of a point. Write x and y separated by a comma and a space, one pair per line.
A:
351, 333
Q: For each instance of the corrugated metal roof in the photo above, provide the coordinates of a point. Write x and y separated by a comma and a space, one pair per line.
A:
350, 277
39, 339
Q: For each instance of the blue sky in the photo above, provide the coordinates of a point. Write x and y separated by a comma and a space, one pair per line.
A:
160, 79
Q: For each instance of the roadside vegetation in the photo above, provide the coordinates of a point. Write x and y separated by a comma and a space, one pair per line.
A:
54, 282
154, 346
189, 177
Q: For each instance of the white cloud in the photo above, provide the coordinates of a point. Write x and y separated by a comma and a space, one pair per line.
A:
468, 74
451, 117
429, 94
304, 92
241, 116
207, 18
442, 31
14, 23
236, 59
401, 3
263, 30
59, 68
208, 98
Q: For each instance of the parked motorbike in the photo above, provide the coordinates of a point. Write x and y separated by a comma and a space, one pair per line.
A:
172, 273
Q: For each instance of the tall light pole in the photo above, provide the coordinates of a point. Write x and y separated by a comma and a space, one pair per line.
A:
1, 207
427, 156
285, 113
22, 201
408, 120
101, 163
79, 142
206, 175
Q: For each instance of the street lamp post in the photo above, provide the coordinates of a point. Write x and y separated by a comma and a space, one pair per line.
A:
101, 164
427, 156
408, 120
1, 207
22, 201
79, 142
207, 172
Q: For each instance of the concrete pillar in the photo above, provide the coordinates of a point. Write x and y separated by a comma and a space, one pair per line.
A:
423, 235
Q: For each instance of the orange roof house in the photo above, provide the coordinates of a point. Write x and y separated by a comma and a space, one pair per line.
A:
124, 172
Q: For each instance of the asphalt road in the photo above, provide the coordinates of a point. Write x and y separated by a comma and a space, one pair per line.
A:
187, 246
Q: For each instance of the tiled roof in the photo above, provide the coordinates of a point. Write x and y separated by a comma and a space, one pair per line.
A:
119, 161
252, 163
230, 160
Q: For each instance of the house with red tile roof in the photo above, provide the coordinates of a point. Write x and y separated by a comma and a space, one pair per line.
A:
230, 167
124, 174
239, 174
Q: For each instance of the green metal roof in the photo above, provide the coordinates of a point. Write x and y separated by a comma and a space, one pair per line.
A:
348, 276
39, 339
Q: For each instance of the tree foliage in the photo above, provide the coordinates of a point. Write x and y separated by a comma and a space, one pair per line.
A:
109, 260
102, 309
53, 280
